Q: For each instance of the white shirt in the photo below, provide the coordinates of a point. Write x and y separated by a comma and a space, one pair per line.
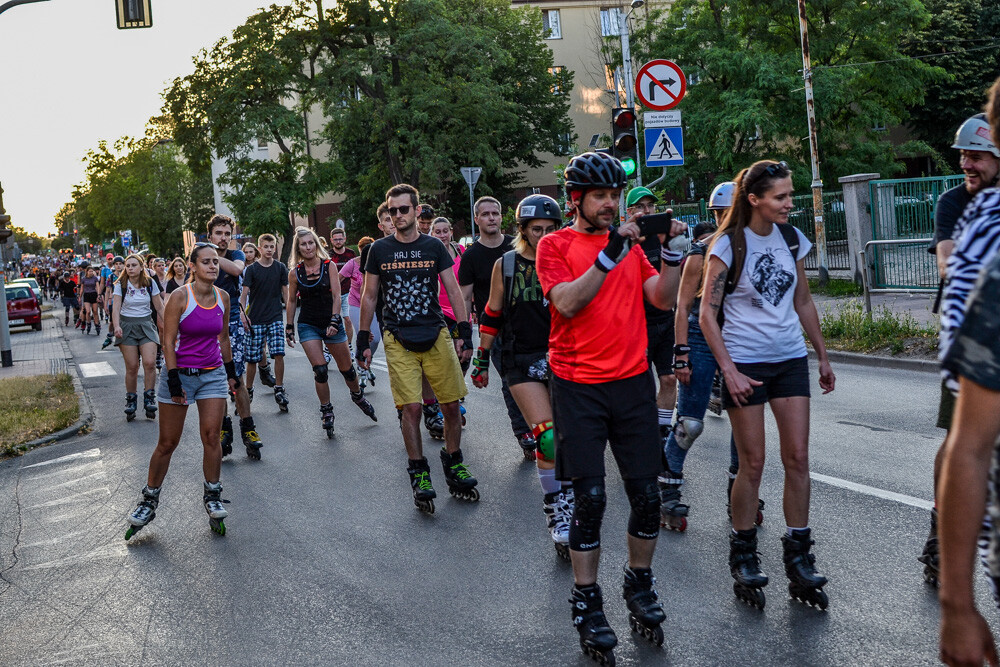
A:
761, 325
135, 302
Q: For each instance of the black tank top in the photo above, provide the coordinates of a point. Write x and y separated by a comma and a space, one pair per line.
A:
527, 313
316, 301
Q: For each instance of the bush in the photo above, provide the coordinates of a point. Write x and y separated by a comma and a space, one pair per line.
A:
851, 329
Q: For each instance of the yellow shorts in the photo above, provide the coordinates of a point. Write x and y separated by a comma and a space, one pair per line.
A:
439, 364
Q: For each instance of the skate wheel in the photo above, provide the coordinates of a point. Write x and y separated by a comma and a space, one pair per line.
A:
130, 532
329, 434
425, 506
218, 526
760, 518
562, 550
931, 578
751, 596
603, 658
678, 523
253, 453
129, 418
283, 408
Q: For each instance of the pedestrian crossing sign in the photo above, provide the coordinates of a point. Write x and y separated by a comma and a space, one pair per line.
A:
664, 146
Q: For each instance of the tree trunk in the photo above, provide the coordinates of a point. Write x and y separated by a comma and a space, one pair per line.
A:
287, 239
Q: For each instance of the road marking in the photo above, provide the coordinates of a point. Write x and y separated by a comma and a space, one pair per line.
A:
872, 491
89, 454
97, 369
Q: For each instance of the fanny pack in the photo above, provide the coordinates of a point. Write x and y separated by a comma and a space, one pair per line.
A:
417, 339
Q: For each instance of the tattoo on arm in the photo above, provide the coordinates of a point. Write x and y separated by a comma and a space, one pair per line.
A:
718, 287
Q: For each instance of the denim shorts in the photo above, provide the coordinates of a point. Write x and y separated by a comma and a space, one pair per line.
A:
781, 379
210, 384
310, 332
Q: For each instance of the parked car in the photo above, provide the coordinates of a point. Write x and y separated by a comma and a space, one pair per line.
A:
31, 282
22, 307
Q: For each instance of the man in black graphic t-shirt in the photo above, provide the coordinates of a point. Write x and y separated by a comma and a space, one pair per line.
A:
404, 269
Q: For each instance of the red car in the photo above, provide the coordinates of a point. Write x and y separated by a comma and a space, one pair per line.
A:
22, 307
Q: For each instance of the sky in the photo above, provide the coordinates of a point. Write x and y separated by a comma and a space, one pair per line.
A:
69, 78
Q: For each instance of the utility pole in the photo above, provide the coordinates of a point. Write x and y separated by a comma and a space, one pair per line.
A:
817, 183
627, 78
6, 357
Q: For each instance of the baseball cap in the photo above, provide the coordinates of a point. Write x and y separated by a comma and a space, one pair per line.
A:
635, 194
109, 256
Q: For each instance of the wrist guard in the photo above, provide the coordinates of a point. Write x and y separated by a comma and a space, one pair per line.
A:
671, 257
490, 323
480, 363
231, 372
680, 363
465, 334
681, 348
174, 383
336, 321
614, 252
361, 343
289, 327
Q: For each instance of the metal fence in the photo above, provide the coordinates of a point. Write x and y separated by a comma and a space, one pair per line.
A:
903, 209
837, 254
692, 213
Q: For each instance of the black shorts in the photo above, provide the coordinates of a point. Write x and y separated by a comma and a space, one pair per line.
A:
521, 368
660, 350
90, 297
622, 412
782, 379
946, 408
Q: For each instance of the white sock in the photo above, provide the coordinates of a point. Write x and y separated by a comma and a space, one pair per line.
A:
789, 529
547, 478
665, 416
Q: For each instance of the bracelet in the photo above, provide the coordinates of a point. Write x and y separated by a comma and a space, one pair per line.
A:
681, 348
671, 257
679, 364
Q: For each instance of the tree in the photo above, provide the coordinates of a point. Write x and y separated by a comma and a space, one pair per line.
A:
746, 102
29, 242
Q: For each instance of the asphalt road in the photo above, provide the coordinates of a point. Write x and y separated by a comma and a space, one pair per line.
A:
326, 561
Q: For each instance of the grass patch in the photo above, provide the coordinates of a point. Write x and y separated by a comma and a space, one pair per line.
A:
34, 407
849, 328
836, 287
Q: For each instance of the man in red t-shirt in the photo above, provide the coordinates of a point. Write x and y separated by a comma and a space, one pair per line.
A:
602, 391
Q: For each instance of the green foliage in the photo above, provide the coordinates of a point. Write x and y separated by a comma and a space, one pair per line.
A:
851, 329
749, 103
33, 407
29, 242
836, 287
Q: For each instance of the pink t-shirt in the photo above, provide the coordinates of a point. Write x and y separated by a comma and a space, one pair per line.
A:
446, 308
352, 270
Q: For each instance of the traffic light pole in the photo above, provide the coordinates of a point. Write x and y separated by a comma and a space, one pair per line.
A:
627, 83
6, 358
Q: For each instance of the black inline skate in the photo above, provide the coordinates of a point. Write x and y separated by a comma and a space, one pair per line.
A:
226, 436
528, 446
362, 402
420, 480
744, 563
159, 352
558, 508
597, 639
251, 439
461, 483
805, 584
715, 399
266, 378
930, 556
326, 414
281, 398
144, 512
434, 420
131, 405
673, 513
645, 613
215, 508
249, 394
149, 403
759, 520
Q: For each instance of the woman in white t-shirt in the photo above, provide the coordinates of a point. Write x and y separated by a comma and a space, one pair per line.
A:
765, 303
135, 297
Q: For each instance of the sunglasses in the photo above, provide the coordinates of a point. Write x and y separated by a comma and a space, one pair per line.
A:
402, 209
203, 244
777, 169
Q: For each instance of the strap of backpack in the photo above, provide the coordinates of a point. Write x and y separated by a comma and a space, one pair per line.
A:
791, 239
507, 267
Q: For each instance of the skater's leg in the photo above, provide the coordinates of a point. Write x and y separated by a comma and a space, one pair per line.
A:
748, 429
644, 520
130, 354
314, 352
251, 372
279, 369
792, 417
409, 424
171, 425
452, 426
585, 531
210, 412
342, 357
147, 351
533, 401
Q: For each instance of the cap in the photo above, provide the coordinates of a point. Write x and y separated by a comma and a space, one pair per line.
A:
635, 194
109, 256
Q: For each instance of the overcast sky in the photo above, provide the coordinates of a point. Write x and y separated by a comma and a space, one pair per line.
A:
69, 78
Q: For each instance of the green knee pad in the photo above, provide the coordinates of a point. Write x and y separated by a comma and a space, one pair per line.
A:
545, 440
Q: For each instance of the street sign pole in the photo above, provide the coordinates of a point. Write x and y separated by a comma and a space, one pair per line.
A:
6, 358
471, 176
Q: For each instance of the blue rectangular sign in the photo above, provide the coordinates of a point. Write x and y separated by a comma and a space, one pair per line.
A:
664, 146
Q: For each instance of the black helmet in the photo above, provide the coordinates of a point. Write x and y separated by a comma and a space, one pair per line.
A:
538, 207
594, 170
118, 258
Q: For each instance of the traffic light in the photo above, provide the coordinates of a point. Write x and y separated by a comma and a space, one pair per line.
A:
623, 140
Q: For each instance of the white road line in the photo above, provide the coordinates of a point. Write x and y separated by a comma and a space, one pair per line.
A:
89, 454
97, 369
872, 491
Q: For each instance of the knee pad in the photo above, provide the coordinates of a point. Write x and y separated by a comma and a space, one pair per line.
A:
588, 512
321, 372
687, 430
350, 374
545, 440
644, 497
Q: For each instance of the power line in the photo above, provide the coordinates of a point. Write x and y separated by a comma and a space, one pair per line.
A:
923, 57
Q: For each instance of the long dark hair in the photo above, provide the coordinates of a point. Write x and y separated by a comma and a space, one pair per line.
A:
756, 179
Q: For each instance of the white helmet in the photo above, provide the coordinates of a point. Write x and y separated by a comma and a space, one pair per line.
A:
974, 135
722, 196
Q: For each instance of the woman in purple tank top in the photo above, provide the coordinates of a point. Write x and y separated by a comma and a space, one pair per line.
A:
199, 369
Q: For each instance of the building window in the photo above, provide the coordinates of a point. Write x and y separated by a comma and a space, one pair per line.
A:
262, 143
610, 21
556, 73
565, 144
694, 78
553, 28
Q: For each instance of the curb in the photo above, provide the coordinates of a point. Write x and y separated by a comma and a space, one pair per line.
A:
876, 361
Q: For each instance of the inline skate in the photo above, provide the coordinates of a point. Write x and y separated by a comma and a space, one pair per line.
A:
597, 639
144, 512
715, 400
645, 613
805, 584
420, 480
226, 436
461, 483
131, 405
528, 445
149, 403
558, 508
362, 402
281, 398
930, 556
744, 564
215, 508
326, 410
673, 513
251, 439
434, 420
266, 378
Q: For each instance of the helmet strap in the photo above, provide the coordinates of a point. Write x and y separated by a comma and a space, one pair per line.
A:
577, 197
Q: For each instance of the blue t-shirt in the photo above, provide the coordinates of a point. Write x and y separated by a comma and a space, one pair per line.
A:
232, 285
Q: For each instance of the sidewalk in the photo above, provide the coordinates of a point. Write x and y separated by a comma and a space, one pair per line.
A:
39, 352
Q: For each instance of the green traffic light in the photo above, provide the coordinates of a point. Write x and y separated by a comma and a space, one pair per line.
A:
629, 165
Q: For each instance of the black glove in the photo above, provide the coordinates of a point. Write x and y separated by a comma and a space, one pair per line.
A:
336, 321
174, 383
231, 373
614, 252
362, 343
465, 333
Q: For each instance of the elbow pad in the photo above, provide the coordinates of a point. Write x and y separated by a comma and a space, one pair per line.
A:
491, 322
